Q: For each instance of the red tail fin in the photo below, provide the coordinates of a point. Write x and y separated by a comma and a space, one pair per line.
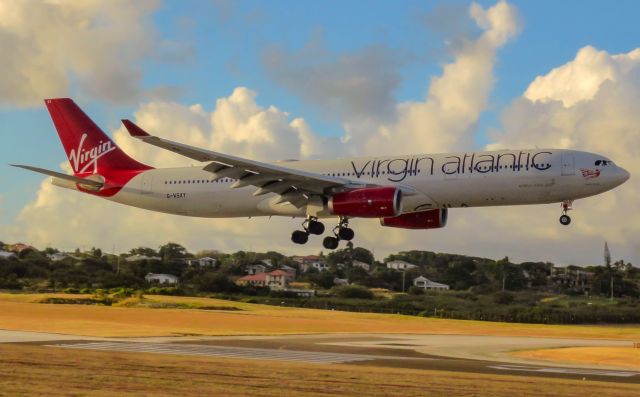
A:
88, 148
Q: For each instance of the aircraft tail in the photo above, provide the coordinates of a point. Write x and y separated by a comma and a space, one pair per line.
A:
88, 148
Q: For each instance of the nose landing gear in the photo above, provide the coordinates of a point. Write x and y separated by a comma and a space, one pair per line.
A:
566, 207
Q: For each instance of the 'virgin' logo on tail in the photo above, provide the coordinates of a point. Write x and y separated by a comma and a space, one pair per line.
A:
82, 159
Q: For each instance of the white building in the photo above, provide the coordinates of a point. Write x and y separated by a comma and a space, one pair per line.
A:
340, 281
161, 278
278, 279
318, 265
400, 265
256, 269
202, 262
428, 285
57, 256
362, 265
8, 255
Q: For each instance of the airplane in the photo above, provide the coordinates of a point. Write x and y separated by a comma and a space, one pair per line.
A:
411, 191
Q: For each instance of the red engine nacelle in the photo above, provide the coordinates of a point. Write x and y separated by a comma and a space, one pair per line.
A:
374, 202
429, 219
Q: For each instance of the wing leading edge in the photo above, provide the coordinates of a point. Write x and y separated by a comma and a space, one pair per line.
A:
292, 185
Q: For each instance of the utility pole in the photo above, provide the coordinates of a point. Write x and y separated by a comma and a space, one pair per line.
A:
403, 272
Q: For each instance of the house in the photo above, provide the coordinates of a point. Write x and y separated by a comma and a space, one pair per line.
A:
161, 278
278, 279
310, 262
426, 284
254, 280
267, 262
275, 280
138, 258
319, 266
19, 247
256, 269
8, 255
362, 265
289, 269
572, 277
57, 256
203, 262
340, 281
400, 265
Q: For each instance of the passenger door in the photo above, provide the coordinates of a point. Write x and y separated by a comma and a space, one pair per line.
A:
568, 164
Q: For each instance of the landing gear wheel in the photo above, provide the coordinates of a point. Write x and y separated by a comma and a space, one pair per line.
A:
315, 227
346, 234
565, 220
300, 237
330, 243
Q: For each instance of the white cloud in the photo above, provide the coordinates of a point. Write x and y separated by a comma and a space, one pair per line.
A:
350, 86
580, 79
445, 120
52, 47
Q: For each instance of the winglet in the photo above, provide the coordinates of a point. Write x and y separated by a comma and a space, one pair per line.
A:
133, 129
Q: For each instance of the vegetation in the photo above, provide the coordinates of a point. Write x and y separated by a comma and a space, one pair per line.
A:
481, 289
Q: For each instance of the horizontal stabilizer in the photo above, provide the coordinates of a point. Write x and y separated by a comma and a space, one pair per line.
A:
71, 178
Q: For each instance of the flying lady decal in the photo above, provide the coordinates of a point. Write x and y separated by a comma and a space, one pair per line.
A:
590, 174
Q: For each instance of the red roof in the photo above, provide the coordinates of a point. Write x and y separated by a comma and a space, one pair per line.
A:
279, 273
254, 277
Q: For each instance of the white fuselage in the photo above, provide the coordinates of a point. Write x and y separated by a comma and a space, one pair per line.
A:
470, 179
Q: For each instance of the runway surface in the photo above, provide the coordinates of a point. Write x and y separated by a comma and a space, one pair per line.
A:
475, 354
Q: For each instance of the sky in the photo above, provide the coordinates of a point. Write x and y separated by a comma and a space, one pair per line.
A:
291, 79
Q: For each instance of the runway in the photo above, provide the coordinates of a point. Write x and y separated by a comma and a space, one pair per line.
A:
458, 353
228, 352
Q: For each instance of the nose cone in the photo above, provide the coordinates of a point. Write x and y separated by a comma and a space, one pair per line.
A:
623, 175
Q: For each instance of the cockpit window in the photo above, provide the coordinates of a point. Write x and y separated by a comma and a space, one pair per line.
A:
603, 162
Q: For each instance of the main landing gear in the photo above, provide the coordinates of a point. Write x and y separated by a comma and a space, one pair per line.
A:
566, 207
341, 232
311, 225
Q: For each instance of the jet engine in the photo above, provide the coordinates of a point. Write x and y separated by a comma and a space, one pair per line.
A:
429, 219
374, 202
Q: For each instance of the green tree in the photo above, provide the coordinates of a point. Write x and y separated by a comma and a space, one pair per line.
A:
149, 252
172, 251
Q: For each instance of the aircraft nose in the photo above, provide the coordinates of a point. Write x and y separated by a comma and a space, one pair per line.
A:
624, 175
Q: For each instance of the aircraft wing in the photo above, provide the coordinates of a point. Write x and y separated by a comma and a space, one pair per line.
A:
60, 175
294, 186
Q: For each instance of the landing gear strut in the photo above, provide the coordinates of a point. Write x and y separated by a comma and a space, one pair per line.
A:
311, 225
341, 232
566, 207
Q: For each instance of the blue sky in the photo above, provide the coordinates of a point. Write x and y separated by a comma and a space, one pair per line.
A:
217, 46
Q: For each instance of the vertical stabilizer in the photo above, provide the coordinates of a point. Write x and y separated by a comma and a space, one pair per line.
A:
88, 148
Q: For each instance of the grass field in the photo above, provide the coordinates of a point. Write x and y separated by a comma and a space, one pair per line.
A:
34, 370
17, 312
623, 357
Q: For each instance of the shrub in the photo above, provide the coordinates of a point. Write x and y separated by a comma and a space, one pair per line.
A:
353, 291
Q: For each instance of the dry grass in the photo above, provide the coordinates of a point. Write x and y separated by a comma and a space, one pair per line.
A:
17, 314
37, 370
623, 357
